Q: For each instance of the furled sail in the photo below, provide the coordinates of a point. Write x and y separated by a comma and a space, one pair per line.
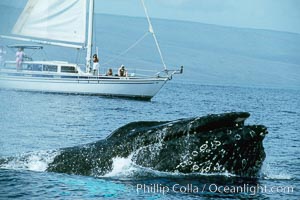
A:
63, 20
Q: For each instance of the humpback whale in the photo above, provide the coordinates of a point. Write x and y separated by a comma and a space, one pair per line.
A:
215, 143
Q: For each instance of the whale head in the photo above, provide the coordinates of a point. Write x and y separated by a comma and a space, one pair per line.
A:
210, 144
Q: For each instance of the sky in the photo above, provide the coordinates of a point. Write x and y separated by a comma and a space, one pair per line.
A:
280, 15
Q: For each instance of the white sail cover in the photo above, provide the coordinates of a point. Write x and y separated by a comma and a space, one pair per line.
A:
63, 20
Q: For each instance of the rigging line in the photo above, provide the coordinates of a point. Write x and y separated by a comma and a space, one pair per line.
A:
34, 52
153, 34
128, 49
45, 54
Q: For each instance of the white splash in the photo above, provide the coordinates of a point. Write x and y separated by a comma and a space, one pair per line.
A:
35, 161
270, 172
121, 167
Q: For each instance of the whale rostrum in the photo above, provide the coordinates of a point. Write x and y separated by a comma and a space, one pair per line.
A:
214, 143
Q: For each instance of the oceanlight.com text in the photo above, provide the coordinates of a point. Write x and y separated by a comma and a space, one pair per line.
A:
213, 188
250, 189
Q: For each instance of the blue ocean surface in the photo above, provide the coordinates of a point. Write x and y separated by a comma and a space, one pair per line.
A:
35, 125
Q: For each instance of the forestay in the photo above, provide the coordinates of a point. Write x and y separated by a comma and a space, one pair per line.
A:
53, 20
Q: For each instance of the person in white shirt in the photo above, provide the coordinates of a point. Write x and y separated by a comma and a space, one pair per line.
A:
95, 65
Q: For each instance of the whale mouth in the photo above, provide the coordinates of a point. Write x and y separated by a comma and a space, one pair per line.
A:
127, 167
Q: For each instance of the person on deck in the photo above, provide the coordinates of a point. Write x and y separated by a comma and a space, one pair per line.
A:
19, 58
122, 71
109, 72
95, 65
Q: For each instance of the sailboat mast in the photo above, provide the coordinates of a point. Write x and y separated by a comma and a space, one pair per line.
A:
90, 36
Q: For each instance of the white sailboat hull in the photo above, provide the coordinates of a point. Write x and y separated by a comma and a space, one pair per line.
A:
141, 88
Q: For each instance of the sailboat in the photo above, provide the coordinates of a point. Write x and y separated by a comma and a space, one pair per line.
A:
69, 23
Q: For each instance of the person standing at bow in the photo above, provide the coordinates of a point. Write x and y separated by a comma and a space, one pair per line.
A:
95, 65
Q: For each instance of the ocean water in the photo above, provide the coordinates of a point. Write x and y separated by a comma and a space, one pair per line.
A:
35, 125
226, 69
